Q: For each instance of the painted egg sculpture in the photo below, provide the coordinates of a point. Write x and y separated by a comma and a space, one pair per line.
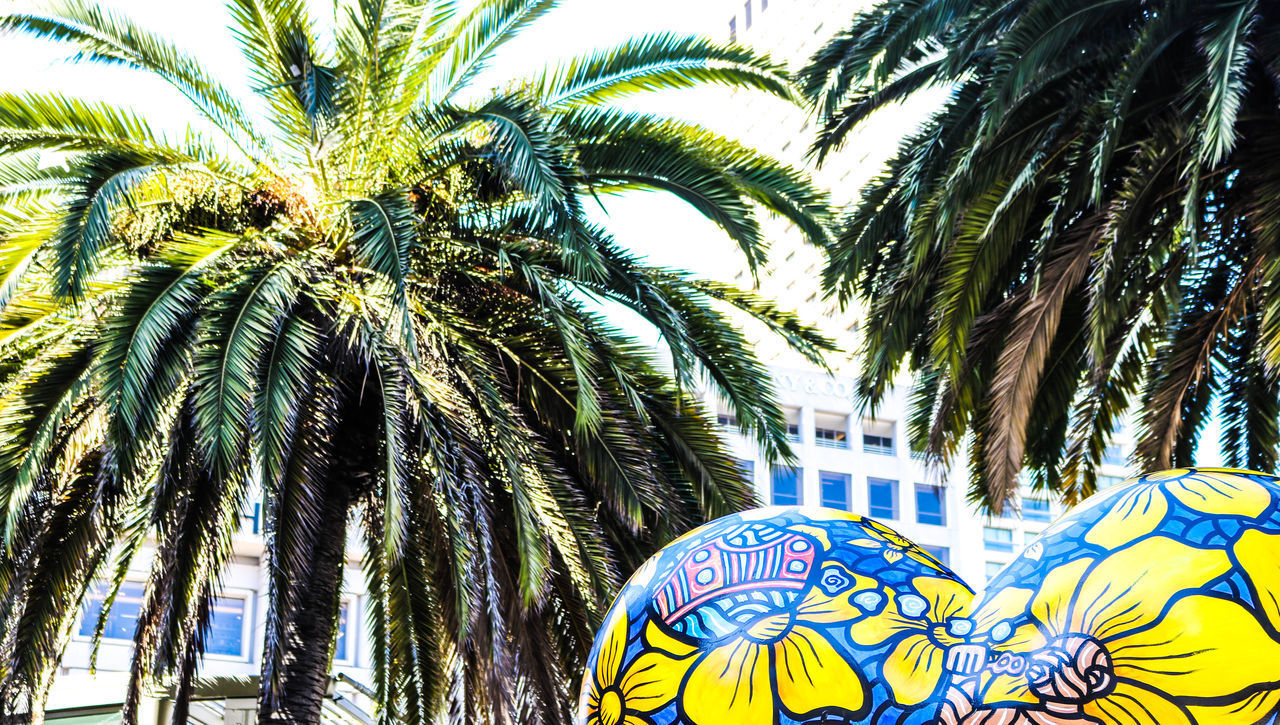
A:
1156, 602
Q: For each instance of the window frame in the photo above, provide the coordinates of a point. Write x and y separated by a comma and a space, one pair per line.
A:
793, 433
837, 440
934, 550
798, 472
999, 546
351, 604
896, 487
83, 617
942, 504
846, 480
250, 599
878, 449
1114, 455
1040, 516
989, 573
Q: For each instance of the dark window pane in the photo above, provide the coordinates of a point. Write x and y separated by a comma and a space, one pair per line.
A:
122, 620
835, 490
748, 469
786, 486
931, 505
882, 498
793, 432
733, 30
830, 438
746, 9
880, 445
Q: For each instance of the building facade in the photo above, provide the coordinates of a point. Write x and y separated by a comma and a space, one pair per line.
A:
845, 459
854, 462
85, 689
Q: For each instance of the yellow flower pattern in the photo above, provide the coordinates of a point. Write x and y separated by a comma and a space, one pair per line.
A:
613, 697
920, 627
892, 545
1154, 603
1140, 507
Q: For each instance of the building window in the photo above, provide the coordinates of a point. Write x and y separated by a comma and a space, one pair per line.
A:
226, 633
728, 421
764, 5
345, 648
997, 539
122, 620
835, 490
747, 469
831, 430
733, 30
882, 498
786, 486
830, 438
931, 505
746, 14
1105, 482
877, 437
1036, 509
993, 569
793, 425
880, 445
1113, 455
1029, 537
941, 553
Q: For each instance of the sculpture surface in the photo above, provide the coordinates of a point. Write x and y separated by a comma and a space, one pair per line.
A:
1156, 602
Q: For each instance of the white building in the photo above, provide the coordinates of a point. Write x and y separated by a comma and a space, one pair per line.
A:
233, 647
846, 460
862, 464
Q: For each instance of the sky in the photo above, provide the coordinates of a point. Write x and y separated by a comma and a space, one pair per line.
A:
655, 226
662, 229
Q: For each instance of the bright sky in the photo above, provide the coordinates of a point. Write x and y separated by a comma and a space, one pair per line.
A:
664, 230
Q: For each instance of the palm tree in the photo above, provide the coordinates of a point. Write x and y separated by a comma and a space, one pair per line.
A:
1089, 222
372, 292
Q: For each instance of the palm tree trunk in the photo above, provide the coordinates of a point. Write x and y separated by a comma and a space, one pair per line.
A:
308, 645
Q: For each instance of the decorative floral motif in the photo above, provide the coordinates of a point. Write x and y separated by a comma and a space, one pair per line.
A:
1139, 508
922, 625
1154, 603
1101, 638
893, 546
614, 698
780, 660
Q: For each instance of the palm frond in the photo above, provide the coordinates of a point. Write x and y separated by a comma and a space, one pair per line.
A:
658, 62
